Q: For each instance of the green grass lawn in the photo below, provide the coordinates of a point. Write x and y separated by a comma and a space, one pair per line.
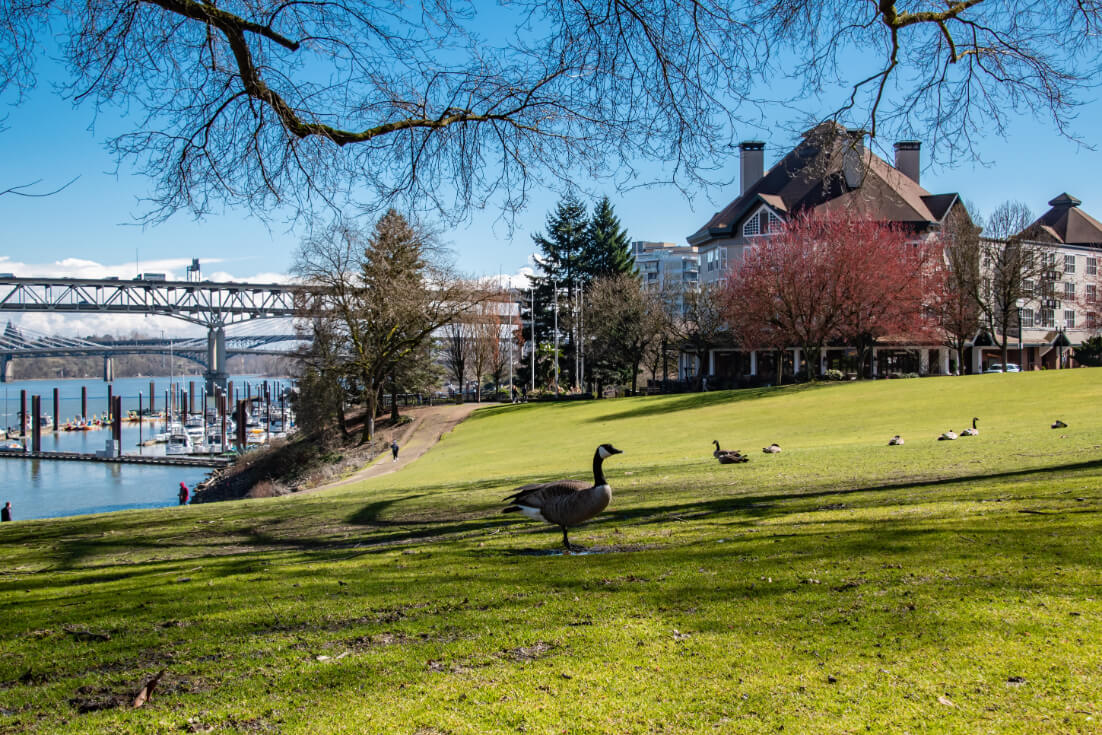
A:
841, 586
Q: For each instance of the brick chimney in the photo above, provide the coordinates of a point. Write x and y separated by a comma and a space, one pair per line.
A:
908, 159
752, 157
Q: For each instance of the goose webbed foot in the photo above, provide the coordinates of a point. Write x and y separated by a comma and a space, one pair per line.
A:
566, 542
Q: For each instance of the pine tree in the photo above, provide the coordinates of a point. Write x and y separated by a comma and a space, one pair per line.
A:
609, 251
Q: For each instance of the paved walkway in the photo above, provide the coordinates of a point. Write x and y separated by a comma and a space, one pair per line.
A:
414, 439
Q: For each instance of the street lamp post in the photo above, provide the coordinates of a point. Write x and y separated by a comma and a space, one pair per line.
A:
1021, 355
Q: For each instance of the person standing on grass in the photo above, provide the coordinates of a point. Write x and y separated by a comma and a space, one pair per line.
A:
394, 450
5, 512
183, 494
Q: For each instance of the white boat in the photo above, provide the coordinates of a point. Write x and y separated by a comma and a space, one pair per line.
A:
179, 443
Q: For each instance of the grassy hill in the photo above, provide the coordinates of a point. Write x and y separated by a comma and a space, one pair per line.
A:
840, 586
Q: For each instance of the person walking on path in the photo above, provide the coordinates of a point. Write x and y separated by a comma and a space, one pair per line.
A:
183, 494
394, 449
5, 512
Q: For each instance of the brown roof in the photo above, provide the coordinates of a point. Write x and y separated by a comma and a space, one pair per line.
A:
812, 176
1065, 223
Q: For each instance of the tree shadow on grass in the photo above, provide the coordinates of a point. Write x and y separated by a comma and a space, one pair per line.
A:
690, 401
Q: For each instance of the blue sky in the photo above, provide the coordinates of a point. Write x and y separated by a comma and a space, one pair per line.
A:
89, 227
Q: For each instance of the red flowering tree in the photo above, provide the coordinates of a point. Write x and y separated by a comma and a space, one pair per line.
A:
826, 277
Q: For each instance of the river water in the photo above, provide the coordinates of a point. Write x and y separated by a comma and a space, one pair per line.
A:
50, 488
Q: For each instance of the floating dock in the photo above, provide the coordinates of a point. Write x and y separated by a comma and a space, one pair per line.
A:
175, 460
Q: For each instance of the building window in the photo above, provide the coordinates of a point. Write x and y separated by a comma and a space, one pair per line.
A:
1092, 266
1091, 293
752, 227
1049, 260
1069, 264
1027, 288
1027, 318
1048, 318
1069, 290
1069, 319
775, 222
1092, 320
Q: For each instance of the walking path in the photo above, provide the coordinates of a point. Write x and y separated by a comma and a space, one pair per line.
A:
414, 439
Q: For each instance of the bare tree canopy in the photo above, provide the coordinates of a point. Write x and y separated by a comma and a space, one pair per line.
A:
298, 104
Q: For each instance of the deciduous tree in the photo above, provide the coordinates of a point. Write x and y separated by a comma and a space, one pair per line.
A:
631, 322
830, 277
388, 291
272, 103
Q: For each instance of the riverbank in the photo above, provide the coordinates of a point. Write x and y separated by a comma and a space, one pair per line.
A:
304, 465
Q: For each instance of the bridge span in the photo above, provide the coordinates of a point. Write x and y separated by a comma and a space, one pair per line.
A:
213, 305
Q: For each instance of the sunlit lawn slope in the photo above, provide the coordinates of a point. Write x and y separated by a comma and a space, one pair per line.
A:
840, 586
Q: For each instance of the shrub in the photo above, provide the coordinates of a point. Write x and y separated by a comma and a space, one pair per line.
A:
834, 375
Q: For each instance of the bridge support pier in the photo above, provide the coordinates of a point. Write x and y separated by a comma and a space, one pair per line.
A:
6, 372
108, 369
216, 375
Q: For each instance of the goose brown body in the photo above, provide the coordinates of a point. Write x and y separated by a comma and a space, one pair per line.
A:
728, 456
566, 503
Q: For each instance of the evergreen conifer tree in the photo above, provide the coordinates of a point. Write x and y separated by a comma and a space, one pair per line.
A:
609, 251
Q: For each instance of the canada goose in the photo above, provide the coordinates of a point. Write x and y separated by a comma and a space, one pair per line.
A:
728, 456
947, 436
973, 431
566, 502
895, 441
1059, 425
773, 448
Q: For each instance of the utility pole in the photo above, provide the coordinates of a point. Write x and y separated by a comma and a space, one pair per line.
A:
532, 346
555, 291
581, 340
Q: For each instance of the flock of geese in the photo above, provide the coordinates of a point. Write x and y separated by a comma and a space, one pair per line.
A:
567, 503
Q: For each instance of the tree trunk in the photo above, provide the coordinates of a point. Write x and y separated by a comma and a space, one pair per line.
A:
371, 403
808, 351
1005, 351
341, 423
394, 415
780, 367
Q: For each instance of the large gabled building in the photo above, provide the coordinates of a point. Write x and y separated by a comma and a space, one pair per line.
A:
829, 171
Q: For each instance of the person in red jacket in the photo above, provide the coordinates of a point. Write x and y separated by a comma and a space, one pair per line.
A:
183, 494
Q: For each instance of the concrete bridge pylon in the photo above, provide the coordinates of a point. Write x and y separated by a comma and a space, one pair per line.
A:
216, 374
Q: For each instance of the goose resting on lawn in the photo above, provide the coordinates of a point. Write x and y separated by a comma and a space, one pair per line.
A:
566, 503
728, 456
973, 431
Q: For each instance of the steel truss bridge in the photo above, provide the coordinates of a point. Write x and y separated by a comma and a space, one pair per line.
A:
213, 305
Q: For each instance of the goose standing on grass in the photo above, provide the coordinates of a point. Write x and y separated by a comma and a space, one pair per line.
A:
1059, 425
973, 431
773, 448
947, 437
566, 503
895, 441
728, 456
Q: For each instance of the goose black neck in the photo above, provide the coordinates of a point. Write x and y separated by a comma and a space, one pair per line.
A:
973, 423
598, 470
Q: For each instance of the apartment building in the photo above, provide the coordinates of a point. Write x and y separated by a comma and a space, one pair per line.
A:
1061, 307
663, 265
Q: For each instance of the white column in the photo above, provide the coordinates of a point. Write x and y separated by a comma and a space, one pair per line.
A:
943, 360
874, 362
795, 361
977, 360
753, 362
822, 361
924, 361
711, 362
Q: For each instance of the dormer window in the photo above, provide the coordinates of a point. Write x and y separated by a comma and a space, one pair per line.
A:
762, 222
